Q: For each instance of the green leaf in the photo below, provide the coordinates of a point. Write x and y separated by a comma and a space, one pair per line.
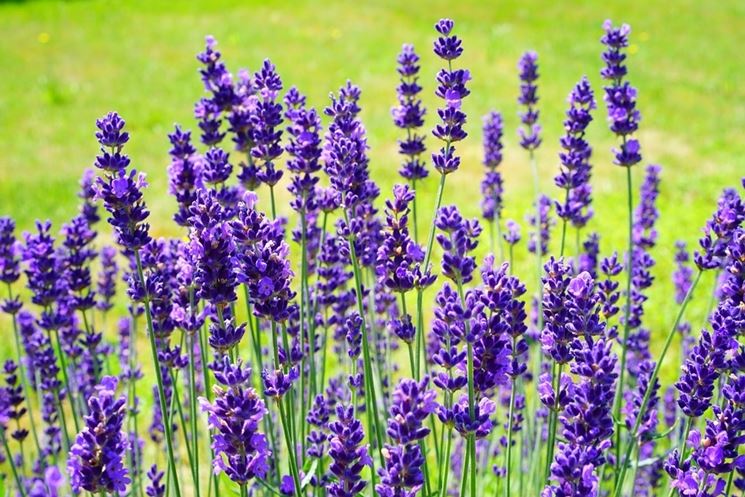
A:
666, 432
309, 473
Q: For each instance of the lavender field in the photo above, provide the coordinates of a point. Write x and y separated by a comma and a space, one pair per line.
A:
469, 255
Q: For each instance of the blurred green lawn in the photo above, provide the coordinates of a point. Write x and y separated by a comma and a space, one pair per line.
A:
65, 64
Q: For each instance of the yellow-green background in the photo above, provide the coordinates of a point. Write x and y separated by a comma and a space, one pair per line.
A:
63, 64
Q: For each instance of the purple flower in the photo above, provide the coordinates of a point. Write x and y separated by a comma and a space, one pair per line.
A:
304, 148
683, 274
634, 398
261, 262
620, 96
155, 488
399, 257
184, 173
530, 138
542, 225
106, 286
96, 461
43, 266
9, 252
266, 123
491, 185
241, 451
573, 473
120, 191
348, 455
646, 213
212, 248
556, 337
345, 151
277, 383
718, 231
14, 408
78, 254
512, 234
480, 424
574, 176
451, 87
501, 294
87, 195
448, 330
411, 404
458, 239
409, 115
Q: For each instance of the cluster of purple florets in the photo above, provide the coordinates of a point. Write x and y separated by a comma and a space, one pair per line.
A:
344, 354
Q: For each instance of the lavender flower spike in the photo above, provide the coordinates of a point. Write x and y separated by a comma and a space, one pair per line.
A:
530, 132
120, 190
96, 461
409, 116
451, 87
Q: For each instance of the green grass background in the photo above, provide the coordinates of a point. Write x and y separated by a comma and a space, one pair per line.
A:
63, 64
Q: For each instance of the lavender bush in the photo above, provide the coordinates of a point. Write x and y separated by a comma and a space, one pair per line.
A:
297, 357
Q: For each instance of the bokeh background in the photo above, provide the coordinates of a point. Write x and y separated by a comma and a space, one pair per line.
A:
63, 64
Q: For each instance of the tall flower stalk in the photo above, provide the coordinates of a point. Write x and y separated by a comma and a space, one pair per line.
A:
451, 88
409, 116
120, 189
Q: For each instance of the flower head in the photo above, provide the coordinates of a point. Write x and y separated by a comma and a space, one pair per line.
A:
96, 461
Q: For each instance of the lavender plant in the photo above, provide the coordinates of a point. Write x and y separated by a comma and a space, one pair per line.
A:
277, 337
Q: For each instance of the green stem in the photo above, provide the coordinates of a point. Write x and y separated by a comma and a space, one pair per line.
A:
158, 376
508, 464
650, 384
370, 397
290, 447
24, 377
13, 468
627, 312
552, 421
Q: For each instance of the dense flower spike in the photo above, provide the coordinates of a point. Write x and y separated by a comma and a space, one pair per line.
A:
530, 132
184, 173
458, 239
241, 451
451, 87
574, 176
718, 231
348, 454
266, 122
87, 196
541, 226
9, 252
304, 148
409, 115
620, 96
549, 409
97, 458
399, 257
491, 185
120, 189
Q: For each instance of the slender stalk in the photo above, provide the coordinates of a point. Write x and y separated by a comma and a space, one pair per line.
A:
500, 242
158, 375
510, 414
370, 398
445, 465
627, 311
193, 414
290, 447
652, 379
24, 377
54, 339
552, 420
13, 468
427, 257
